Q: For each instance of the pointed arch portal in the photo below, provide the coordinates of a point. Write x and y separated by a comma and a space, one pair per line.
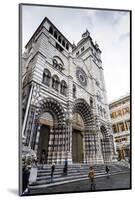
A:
82, 118
51, 119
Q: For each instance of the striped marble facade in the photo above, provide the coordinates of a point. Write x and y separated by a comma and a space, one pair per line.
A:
53, 91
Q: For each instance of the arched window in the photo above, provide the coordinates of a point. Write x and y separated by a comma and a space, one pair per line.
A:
114, 128
59, 39
60, 67
63, 87
74, 91
63, 43
55, 34
67, 46
55, 63
91, 102
46, 77
55, 82
51, 30
58, 63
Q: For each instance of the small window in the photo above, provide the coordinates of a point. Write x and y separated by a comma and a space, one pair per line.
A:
97, 83
101, 111
67, 46
77, 53
91, 102
121, 125
55, 63
58, 47
98, 109
63, 87
51, 30
114, 128
58, 63
63, 43
59, 39
55, 34
60, 67
74, 91
104, 112
82, 49
46, 77
113, 115
55, 82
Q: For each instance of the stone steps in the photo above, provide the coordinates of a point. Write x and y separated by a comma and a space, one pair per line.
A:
75, 173
68, 175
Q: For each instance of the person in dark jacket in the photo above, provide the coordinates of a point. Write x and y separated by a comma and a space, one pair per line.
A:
107, 170
52, 171
25, 178
65, 167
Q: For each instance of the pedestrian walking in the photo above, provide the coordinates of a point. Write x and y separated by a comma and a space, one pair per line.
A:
25, 179
65, 167
107, 170
52, 171
91, 175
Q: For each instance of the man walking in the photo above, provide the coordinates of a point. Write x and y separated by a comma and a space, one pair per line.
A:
107, 171
91, 175
52, 171
65, 167
25, 178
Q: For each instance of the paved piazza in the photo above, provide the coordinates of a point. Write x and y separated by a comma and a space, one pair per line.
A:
119, 181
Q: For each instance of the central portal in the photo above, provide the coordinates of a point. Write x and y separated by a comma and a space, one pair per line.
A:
77, 138
77, 146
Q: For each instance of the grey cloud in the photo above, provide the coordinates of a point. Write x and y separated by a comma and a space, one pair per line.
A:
109, 17
124, 36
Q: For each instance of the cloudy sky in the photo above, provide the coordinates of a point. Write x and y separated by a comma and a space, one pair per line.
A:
111, 30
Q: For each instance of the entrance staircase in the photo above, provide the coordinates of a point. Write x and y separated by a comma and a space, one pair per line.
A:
76, 172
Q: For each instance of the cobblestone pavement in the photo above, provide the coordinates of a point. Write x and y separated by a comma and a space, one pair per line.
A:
119, 181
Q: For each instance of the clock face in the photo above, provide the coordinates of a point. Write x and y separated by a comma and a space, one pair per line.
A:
81, 76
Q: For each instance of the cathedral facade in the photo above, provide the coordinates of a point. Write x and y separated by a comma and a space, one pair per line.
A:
65, 113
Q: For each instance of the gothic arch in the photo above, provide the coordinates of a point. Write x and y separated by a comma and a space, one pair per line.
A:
55, 108
82, 107
103, 131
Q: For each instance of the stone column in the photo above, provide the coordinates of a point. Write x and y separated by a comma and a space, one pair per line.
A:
30, 125
100, 151
32, 131
62, 140
69, 142
50, 146
26, 113
37, 138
